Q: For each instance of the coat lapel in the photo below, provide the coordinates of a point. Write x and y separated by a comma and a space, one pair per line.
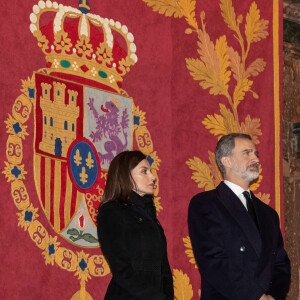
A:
239, 213
262, 218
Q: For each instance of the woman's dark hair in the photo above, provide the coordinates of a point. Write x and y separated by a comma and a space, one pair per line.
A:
119, 183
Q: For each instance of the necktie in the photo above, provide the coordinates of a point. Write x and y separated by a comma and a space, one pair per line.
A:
250, 207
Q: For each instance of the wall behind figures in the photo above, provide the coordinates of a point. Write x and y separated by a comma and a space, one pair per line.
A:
291, 156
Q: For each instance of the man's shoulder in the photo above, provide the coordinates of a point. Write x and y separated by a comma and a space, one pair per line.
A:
204, 198
266, 208
212, 194
206, 194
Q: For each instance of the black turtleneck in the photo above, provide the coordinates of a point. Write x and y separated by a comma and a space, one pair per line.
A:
144, 203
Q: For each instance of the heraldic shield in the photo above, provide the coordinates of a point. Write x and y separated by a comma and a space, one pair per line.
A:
82, 119
78, 131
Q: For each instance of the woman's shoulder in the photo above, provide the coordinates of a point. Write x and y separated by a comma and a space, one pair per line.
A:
112, 204
113, 207
112, 211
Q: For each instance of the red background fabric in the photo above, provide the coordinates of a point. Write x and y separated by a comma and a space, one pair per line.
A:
175, 106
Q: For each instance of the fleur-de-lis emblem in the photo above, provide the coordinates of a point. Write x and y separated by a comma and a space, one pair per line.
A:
77, 158
83, 164
83, 176
89, 161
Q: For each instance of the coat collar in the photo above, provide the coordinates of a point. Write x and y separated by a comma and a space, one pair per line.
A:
141, 201
239, 213
143, 204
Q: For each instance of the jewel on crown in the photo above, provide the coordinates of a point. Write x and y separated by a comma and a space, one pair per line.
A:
79, 43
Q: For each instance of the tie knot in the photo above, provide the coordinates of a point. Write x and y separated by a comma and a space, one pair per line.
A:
247, 195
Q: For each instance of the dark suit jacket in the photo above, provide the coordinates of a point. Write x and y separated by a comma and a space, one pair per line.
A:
135, 247
236, 260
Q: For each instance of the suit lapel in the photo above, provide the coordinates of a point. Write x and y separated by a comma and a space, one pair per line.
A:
239, 213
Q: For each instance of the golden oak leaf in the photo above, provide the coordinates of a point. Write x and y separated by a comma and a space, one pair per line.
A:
252, 127
243, 86
165, 7
228, 14
235, 63
188, 10
207, 51
264, 198
215, 124
214, 169
207, 69
254, 185
252, 23
255, 67
223, 57
183, 290
206, 76
263, 31
201, 174
157, 204
197, 68
215, 84
230, 124
189, 251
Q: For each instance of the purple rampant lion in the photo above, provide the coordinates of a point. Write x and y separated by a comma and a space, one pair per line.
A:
108, 126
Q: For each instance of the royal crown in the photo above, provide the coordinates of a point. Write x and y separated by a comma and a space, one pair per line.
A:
79, 43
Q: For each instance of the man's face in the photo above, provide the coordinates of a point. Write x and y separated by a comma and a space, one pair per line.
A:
244, 160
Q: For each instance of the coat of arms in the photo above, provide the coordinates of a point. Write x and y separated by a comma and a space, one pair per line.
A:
82, 120
79, 130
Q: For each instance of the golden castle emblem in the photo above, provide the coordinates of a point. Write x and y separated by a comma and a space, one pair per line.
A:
59, 119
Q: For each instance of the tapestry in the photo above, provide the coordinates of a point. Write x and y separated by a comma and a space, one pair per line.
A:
82, 81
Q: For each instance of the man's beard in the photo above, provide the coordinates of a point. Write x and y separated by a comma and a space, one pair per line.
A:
247, 174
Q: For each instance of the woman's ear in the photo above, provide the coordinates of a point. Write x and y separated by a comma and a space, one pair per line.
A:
133, 184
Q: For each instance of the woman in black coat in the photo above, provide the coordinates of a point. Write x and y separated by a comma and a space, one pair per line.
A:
131, 238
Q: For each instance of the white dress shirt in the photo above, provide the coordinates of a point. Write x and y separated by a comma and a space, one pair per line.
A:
238, 191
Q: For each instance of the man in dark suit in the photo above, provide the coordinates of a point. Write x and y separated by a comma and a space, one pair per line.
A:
236, 238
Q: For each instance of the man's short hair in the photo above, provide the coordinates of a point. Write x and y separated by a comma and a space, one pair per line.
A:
225, 146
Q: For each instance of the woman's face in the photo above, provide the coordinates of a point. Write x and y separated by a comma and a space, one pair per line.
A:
143, 178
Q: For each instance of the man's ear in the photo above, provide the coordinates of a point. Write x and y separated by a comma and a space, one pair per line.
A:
226, 161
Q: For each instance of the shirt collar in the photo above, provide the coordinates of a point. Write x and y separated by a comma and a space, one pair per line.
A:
235, 188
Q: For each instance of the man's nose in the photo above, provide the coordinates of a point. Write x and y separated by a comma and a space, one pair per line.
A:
255, 157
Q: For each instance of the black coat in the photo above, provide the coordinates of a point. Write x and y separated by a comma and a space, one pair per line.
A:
134, 244
236, 260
